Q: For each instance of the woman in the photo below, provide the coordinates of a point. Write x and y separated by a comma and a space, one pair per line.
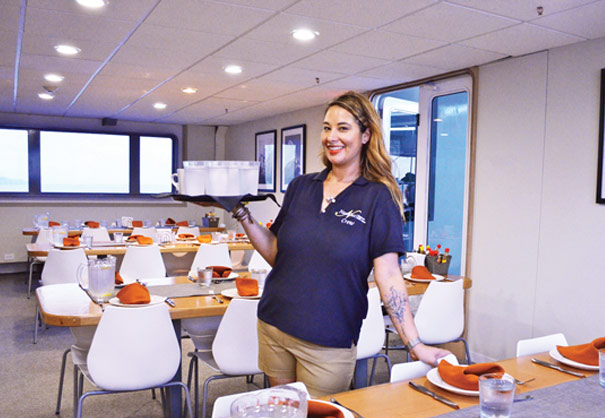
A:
333, 227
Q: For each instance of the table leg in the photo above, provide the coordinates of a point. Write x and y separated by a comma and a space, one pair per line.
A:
360, 379
175, 395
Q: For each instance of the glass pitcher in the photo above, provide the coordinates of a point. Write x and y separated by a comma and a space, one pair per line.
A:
99, 279
41, 220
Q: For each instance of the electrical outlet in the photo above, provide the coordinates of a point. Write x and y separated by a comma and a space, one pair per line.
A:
9, 256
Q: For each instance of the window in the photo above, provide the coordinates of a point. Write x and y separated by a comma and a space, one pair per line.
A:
44, 163
14, 170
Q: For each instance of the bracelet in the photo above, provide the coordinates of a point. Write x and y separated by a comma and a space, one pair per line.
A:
241, 213
412, 343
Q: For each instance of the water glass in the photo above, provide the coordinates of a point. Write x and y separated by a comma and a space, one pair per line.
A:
204, 276
602, 367
192, 222
259, 275
118, 237
87, 240
77, 223
103, 223
231, 234
59, 232
147, 223
496, 394
119, 223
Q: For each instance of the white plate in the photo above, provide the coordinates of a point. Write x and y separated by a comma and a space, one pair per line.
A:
437, 277
554, 353
155, 299
232, 276
345, 412
232, 293
434, 377
63, 247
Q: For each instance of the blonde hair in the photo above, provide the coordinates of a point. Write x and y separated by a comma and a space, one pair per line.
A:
375, 160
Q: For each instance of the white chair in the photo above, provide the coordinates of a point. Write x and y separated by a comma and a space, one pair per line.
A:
540, 344
258, 262
234, 350
195, 230
372, 333
440, 315
149, 354
210, 255
142, 263
45, 236
146, 232
415, 369
98, 234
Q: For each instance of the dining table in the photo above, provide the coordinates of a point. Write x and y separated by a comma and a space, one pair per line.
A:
567, 394
33, 232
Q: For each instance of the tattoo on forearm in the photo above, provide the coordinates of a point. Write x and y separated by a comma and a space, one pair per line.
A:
396, 303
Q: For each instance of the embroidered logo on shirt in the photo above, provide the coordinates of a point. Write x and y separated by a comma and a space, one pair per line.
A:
349, 217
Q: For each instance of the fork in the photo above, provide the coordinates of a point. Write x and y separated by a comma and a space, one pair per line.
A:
215, 297
522, 382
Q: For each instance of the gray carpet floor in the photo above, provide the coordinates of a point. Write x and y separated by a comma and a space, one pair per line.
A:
29, 373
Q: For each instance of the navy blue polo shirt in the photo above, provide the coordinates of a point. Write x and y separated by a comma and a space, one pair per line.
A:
317, 288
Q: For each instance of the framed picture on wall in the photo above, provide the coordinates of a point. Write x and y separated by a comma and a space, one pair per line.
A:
292, 154
265, 143
601, 163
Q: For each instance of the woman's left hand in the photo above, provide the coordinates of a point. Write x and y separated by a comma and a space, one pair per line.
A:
427, 354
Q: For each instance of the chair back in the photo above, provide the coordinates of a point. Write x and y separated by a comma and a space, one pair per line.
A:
45, 236
142, 263
540, 344
195, 230
258, 262
235, 347
62, 266
371, 336
210, 255
146, 232
134, 348
440, 315
415, 369
97, 234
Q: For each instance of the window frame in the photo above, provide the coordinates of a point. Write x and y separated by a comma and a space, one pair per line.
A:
35, 192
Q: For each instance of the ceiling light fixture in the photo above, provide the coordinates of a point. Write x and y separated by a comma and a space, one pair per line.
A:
304, 34
233, 69
46, 96
159, 105
92, 4
53, 78
67, 49
189, 90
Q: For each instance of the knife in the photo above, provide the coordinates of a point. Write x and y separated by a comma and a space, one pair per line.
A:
554, 366
429, 392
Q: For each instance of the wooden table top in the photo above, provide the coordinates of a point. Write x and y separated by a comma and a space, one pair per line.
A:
399, 400
125, 231
41, 250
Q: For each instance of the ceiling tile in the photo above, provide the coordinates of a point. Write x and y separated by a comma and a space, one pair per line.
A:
131, 10
454, 57
214, 17
357, 83
339, 62
136, 71
215, 66
521, 9
442, 22
587, 21
61, 64
387, 45
400, 72
263, 4
521, 39
9, 18
265, 52
9, 48
209, 108
258, 89
363, 13
151, 57
300, 77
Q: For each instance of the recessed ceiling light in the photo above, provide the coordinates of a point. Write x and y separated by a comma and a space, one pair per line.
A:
189, 90
304, 34
159, 105
46, 96
53, 78
67, 49
92, 4
233, 69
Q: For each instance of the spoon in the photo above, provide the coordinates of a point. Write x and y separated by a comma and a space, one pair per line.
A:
525, 398
519, 382
353, 411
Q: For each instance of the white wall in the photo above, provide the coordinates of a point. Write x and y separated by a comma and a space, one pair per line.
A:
537, 231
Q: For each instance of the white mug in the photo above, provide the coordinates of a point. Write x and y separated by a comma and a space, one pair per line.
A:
194, 181
178, 180
415, 259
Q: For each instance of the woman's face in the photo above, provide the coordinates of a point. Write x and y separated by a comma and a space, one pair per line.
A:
341, 138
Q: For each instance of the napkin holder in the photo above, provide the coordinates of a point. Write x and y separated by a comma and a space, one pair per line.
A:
438, 264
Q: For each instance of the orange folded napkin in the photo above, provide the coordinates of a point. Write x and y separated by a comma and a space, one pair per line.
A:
91, 224
71, 242
170, 221
144, 240
584, 353
246, 286
53, 223
182, 223
138, 224
204, 239
421, 272
466, 377
118, 279
133, 238
220, 271
74, 233
240, 235
186, 236
134, 294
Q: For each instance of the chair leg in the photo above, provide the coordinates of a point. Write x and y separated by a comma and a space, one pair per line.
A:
193, 369
61, 379
76, 397
31, 270
36, 324
250, 379
386, 359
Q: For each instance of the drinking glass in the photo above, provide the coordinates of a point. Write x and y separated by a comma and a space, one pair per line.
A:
59, 232
118, 237
78, 224
276, 402
147, 223
496, 394
259, 275
204, 276
231, 234
87, 240
602, 367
